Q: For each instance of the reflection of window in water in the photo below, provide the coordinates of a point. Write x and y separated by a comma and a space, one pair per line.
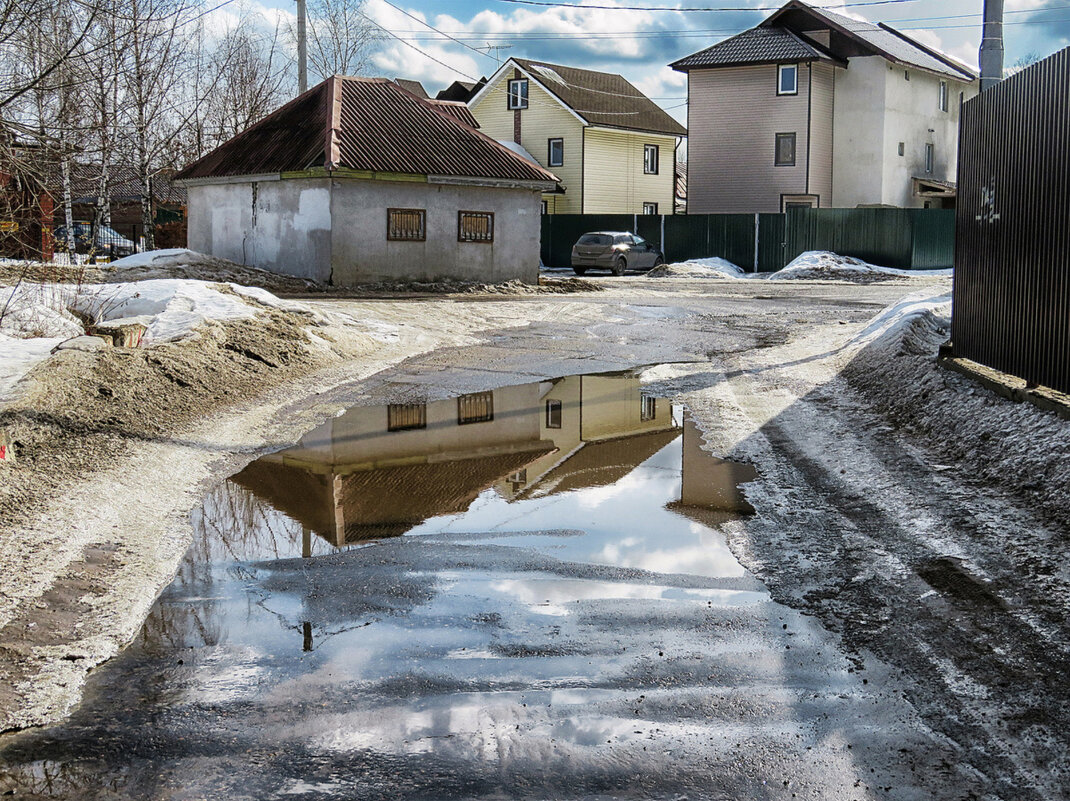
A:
477, 407
649, 408
553, 414
405, 416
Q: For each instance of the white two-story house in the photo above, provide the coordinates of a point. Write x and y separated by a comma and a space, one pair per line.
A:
817, 109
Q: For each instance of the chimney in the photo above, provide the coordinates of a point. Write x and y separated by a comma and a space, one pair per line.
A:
992, 45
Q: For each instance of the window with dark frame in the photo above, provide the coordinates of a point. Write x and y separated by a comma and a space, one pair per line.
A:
475, 226
787, 82
648, 409
477, 407
406, 416
553, 414
555, 152
902, 148
518, 94
785, 150
406, 225
650, 159
650, 208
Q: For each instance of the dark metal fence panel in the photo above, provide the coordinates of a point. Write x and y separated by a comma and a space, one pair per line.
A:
1011, 306
771, 243
879, 236
934, 239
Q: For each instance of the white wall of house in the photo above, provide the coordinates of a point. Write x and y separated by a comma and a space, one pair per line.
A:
334, 229
283, 226
362, 254
876, 109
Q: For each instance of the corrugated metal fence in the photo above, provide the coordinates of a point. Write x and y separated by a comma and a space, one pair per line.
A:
904, 238
1012, 262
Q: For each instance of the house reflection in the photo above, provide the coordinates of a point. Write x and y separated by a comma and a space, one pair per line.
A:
379, 471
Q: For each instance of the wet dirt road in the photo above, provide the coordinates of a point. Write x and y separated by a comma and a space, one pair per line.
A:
579, 630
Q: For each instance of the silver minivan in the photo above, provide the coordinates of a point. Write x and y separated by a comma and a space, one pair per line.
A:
615, 251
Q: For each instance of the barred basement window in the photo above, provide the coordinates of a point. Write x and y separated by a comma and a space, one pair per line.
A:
406, 416
475, 408
553, 414
406, 225
649, 409
475, 226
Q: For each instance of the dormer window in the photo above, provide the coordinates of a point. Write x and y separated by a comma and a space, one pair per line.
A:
518, 93
788, 79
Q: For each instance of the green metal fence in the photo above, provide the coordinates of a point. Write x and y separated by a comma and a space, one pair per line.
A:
904, 238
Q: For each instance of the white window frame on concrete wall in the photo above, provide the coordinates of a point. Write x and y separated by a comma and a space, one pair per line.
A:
943, 95
930, 158
781, 71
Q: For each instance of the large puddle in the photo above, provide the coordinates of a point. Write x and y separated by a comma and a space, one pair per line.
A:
510, 593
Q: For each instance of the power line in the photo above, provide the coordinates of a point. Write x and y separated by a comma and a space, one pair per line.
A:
702, 10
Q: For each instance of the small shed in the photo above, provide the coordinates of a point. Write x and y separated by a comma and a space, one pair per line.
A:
358, 180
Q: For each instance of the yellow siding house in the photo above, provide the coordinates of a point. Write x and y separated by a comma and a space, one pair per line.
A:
612, 147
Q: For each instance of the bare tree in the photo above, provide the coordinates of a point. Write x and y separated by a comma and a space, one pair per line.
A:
340, 37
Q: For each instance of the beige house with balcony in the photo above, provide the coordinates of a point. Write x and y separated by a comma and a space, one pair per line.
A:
811, 108
613, 149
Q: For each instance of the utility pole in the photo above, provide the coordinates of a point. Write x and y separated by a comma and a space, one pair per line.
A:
991, 56
302, 49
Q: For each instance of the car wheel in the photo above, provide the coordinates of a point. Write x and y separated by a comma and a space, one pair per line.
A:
658, 261
579, 270
619, 266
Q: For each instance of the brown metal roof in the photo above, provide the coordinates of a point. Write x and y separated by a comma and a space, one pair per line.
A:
367, 124
602, 98
456, 109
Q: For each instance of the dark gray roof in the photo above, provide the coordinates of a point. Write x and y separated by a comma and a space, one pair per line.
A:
885, 40
602, 98
755, 46
778, 40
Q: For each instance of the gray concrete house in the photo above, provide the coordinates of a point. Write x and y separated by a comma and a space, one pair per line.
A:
358, 180
811, 108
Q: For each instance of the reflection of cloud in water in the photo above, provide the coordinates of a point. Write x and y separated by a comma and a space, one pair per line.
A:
550, 596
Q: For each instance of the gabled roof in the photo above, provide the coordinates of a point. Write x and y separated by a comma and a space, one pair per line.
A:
781, 38
366, 124
456, 109
415, 87
598, 98
756, 46
882, 39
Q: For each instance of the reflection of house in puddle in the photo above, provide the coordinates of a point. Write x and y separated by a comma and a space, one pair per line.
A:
710, 491
380, 471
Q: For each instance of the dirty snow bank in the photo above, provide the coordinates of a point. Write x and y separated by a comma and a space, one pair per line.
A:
712, 267
821, 264
185, 263
1022, 449
38, 317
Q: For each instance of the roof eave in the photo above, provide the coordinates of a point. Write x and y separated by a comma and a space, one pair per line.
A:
766, 62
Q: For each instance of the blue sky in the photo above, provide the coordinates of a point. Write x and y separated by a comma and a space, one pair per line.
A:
640, 44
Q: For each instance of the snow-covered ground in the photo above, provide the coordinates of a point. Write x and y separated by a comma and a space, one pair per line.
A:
821, 264
712, 267
35, 318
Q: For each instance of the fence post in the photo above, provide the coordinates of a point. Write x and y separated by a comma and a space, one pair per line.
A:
661, 239
757, 224
635, 223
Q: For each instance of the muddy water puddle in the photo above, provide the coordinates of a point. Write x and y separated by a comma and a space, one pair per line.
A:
524, 592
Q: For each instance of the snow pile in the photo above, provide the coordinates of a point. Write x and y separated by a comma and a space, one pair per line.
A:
35, 318
712, 267
821, 264
185, 263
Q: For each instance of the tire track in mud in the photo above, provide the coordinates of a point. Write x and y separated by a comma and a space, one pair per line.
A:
973, 663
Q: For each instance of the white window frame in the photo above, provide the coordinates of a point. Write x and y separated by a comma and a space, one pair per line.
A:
651, 159
650, 208
517, 98
780, 90
560, 142
943, 95
930, 158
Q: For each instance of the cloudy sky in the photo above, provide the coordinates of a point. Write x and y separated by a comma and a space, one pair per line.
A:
616, 36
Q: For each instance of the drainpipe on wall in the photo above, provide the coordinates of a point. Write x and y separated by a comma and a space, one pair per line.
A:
991, 56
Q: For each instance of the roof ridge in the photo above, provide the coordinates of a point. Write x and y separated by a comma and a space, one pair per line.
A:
331, 150
932, 51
